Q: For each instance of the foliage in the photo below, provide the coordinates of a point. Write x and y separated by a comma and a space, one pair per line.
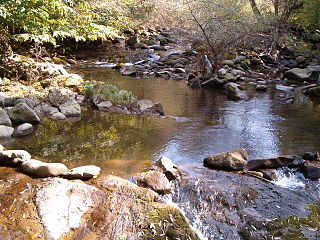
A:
45, 20
309, 15
109, 92
122, 14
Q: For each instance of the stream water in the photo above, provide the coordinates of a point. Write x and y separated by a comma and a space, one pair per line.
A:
200, 122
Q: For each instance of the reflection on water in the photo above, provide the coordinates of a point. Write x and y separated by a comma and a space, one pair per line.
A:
203, 122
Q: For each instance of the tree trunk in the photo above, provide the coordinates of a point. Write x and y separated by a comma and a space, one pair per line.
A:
254, 7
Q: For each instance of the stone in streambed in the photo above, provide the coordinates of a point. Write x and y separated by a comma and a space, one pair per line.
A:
269, 174
4, 118
234, 91
275, 162
83, 172
23, 130
6, 132
22, 113
311, 169
169, 169
70, 109
37, 168
231, 160
309, 156
13, 157
154, 180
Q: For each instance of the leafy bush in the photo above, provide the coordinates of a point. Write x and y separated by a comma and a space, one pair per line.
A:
109, 92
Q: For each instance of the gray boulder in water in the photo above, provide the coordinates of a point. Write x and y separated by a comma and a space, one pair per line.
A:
231, 160
4, 118
23, 129
22, 113
37, 168
6, 132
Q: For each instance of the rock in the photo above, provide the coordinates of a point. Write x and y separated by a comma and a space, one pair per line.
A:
239, 59
69, 80
37, 168
104, 105
2, 148
230, 77
159, 108
70, 109
300, 74
61, 205
276, 162
159, 48
22, 113
6, 132
309, 156
238, 73
261, 88
311, 169
59, 96
169, 169
284, 88
4, 118
315, 91
301, 59
229, 63
141, 45
13, 157
222, 72
269, 174
83, 172
234, 92
129, 71
50, 112
154, 180
132, 41
164, 74
289, 63
180, 70
231, 160
144, 105
22, 130
214, 82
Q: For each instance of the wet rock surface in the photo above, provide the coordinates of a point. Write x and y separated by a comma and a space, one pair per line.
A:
108, 207
235, 206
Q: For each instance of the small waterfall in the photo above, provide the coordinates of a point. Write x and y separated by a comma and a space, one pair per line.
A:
287, 178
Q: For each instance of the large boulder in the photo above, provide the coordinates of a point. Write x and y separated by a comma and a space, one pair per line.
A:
83, 172
231, 160
47, 110
156, 181
144, 105
59, 96
275, 162
315, 91
311, 169
6, 132
4, 118
61, 205
214, 82
13, 157
70, 109
302, 74
37, 168
234, 91
23, 130
22, 113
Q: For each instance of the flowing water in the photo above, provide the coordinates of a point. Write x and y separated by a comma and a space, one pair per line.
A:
200, 122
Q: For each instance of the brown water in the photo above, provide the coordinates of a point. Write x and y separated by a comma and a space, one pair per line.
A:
202, 122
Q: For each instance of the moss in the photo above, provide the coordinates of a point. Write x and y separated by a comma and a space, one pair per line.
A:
167, 222
291, 228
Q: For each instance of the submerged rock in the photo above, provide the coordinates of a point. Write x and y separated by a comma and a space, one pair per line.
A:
22, 113
231, 160
83, 172
269, 174
37, 168
275, 162
6, 132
